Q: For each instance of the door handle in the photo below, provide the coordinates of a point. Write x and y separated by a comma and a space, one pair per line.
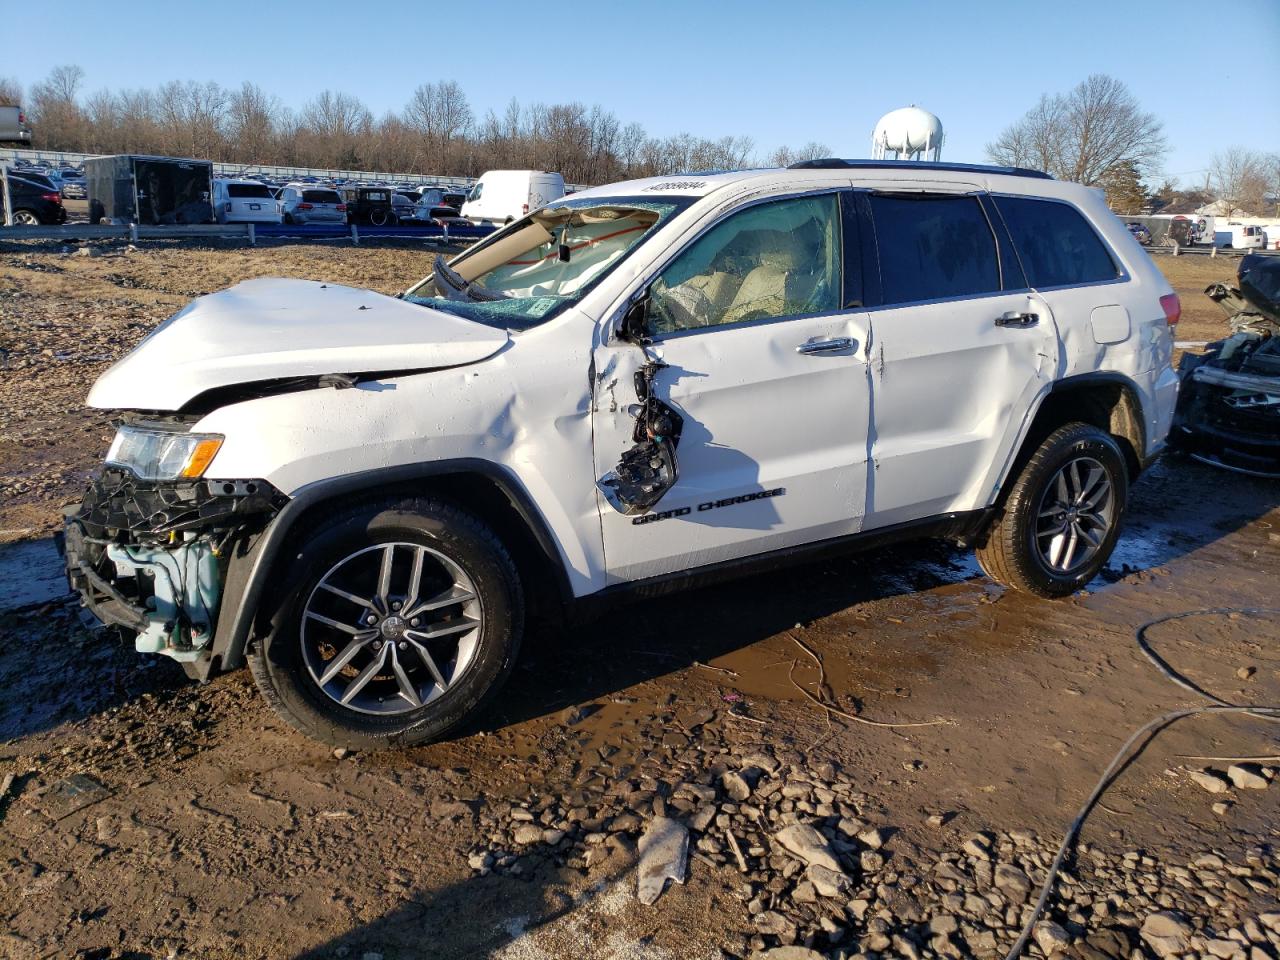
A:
1015, 319
827, 346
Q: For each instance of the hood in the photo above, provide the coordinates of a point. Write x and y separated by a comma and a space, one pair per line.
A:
272, 329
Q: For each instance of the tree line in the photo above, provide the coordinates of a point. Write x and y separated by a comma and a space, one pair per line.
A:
436, 132
1098, 134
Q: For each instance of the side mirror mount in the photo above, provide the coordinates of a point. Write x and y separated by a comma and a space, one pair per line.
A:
635, 322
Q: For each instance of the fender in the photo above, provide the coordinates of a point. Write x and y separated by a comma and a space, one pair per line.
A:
249, 573
1065, 385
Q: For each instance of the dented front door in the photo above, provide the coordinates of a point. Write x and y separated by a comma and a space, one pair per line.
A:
772, 450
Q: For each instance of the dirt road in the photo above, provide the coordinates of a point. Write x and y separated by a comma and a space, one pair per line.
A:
149, 817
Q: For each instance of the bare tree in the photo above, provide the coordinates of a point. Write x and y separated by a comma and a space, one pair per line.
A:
10, 92
1084, 134
1239, 178
251, 124
441, 114
57, 118
785, 156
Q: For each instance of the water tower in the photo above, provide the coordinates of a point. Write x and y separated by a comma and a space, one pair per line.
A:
908, 133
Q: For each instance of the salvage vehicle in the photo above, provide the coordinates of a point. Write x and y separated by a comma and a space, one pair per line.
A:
13, 125
33, 202
500, 196
303, 203
1229, 407
244, 201
371, 205
646, 385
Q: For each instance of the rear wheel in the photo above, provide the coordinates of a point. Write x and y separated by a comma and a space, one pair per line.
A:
398, 621
1062, 517
25, 218
288, 218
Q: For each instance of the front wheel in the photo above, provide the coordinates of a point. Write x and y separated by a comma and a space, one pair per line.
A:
1062, 517
397, 622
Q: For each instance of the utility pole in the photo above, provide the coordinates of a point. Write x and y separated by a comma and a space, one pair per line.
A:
4, 188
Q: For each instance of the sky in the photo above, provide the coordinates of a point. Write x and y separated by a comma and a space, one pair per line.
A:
782, 73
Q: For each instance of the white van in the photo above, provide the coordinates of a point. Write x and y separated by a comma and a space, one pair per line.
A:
244, 201
1246, 236
500, 196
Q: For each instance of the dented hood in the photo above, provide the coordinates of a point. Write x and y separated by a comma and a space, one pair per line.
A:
262, 330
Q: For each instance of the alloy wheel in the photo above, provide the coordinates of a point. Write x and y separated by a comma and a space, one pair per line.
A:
1075, 515
390, 628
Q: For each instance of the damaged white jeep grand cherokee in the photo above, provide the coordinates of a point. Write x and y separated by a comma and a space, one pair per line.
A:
643, 384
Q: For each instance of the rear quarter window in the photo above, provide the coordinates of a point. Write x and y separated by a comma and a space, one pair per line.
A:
1056, 244
933, 247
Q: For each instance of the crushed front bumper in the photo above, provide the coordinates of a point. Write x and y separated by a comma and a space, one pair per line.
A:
151, 557
1231, 420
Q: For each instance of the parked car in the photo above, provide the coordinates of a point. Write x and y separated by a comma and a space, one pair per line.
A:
39, 177
371, 205
500, 196
1229, 405
363, 495
13, 125
454, 198
33, 201
1140, 233
73, 184
402, 208
304, 203
244, 201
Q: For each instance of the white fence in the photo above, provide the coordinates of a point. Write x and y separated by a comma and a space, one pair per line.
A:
58, 157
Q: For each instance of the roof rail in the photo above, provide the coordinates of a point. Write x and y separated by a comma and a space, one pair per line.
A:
835, 163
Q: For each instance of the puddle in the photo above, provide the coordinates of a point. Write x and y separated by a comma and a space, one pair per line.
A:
30, 572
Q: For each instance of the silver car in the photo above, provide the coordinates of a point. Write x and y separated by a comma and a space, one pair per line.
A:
311, 203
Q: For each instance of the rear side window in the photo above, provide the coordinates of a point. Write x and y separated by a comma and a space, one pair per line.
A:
933, 247
321, 196
1055, 243
254, 191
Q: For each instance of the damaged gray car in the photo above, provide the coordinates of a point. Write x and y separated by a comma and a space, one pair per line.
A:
1229, 406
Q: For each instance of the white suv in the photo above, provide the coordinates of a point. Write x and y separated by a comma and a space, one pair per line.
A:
642, 385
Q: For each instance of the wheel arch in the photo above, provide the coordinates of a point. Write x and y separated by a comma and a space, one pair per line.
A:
489, 490
1108, 401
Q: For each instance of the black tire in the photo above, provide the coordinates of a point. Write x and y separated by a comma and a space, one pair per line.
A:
278, 664
26, 218
1010, 554
288, 218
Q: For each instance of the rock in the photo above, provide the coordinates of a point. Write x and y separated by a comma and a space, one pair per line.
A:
1247, 776
664, 855
1225, 949
1051, 937
978, 846
528, 833
873, 837
1221, 807
1166, 932
804, 893
1211, 780
871, 861
735, 785
1246, 673
774, 924
339, 752
1011, 881
787, 953
552, 837
943, 925
828, 882
808, 845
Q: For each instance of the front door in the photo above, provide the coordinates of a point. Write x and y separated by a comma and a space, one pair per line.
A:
762, 358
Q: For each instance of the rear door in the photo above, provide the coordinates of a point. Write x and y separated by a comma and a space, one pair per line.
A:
960, 350
762, 345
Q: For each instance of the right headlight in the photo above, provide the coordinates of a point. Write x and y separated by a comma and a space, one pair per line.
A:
163, 454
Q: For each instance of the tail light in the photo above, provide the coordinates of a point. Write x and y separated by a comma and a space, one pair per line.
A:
22, 117
305, 206
342, 208
524, 208
51, 197
1172, 308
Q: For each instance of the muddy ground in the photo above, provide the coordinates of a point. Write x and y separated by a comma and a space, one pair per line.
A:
201, 826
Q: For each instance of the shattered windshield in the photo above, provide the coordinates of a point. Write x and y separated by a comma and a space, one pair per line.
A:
552, 258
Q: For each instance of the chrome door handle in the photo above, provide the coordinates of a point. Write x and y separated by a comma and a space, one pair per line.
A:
828, 346
1015, 319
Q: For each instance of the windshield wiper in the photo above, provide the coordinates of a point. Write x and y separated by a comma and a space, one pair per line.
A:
451, 285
